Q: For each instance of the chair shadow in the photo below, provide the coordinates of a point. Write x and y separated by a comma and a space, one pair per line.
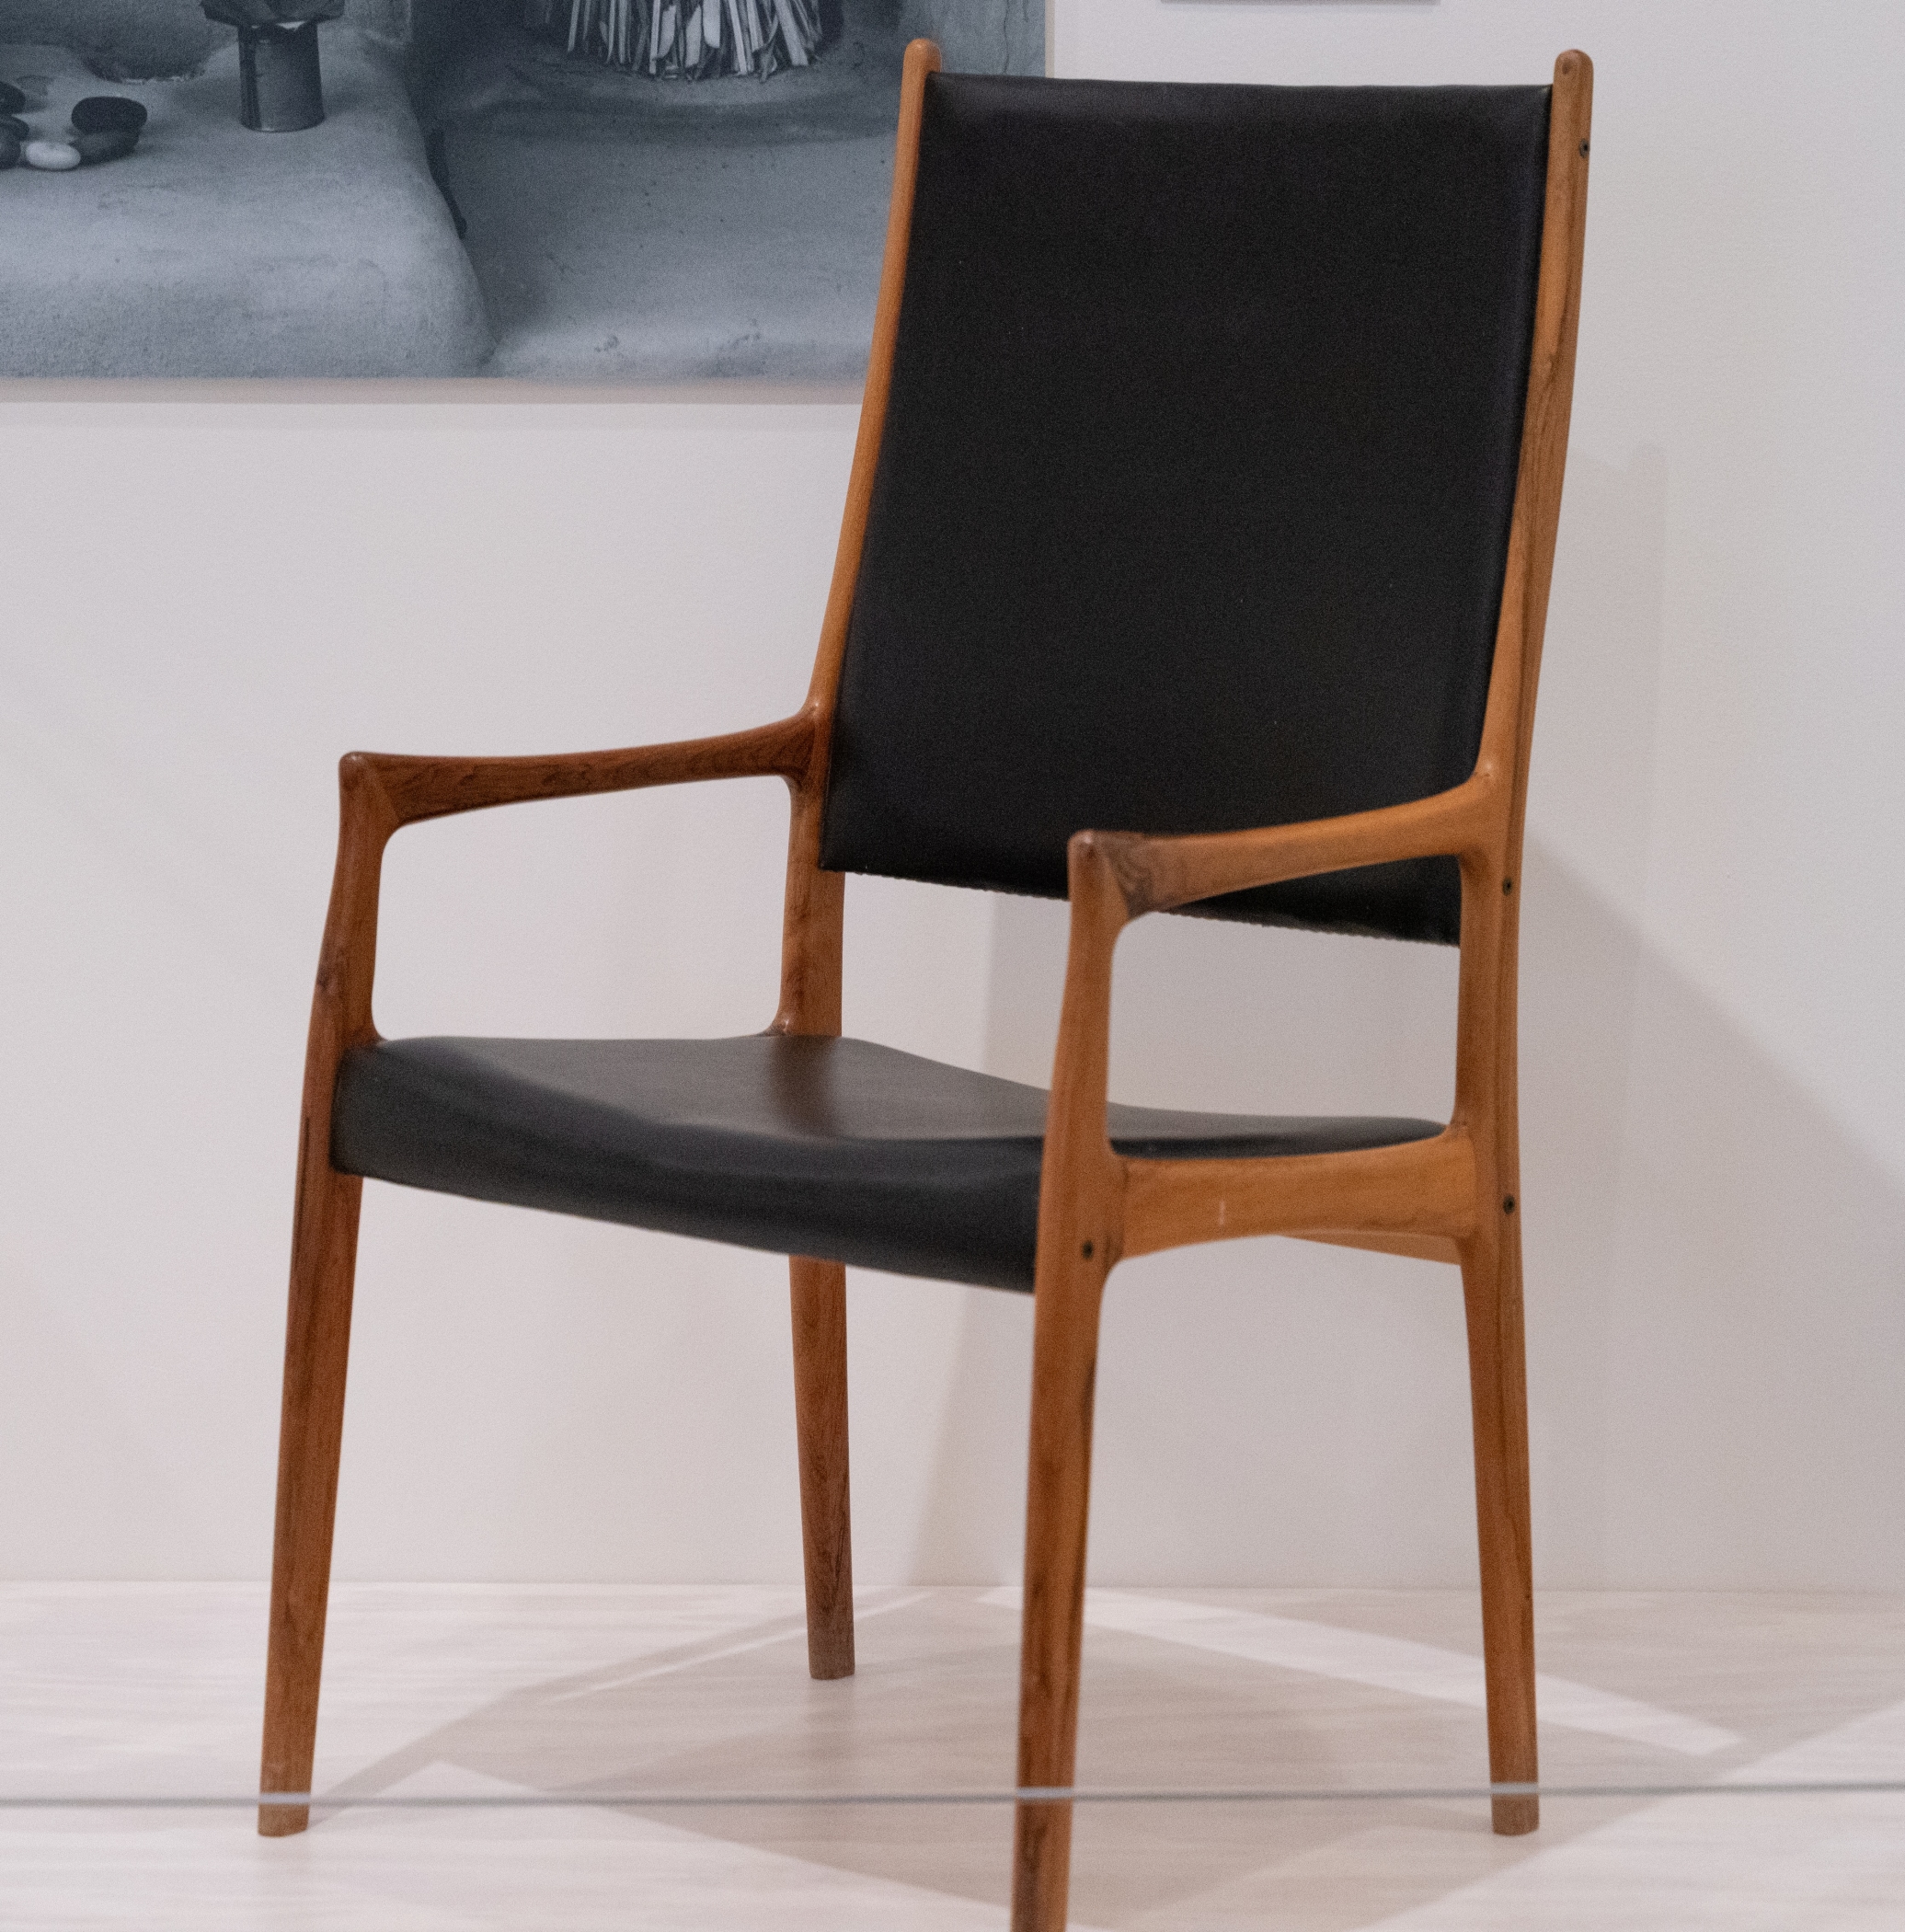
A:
932, 1711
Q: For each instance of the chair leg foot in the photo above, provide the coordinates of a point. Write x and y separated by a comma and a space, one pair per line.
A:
317, 1341
1042, 1867
1491, 1282
282, 1821
1515, 1817
819, 1292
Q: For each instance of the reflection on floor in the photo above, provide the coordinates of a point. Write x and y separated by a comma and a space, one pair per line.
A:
488, 1692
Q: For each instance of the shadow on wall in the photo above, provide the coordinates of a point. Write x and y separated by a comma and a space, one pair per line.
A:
1580, 978
1713, 1262
1719, 1254
1714, 1276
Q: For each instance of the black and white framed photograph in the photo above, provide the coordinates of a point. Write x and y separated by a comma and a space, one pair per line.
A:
551, 190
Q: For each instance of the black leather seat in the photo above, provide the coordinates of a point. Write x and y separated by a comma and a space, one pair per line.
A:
835, 1148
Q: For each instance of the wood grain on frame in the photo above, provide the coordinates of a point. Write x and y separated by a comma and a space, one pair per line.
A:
1454, 1197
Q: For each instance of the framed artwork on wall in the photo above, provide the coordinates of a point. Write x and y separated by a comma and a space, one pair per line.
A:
554, 191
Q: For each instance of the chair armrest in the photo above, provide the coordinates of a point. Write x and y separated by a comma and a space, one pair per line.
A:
418, 789
379, 793
1115, 876
1156, 873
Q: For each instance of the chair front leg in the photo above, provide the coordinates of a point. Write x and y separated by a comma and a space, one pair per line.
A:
316, 1349
1070, 1292
818, 1290
1491, 1286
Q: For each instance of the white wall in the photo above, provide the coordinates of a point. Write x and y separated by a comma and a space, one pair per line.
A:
204, 601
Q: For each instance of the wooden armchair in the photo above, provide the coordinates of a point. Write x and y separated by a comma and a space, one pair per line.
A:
1196, 556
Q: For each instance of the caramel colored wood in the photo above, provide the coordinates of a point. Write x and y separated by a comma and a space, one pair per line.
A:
1154, 874
1081, 1212
814, 910
379, 794
1422, 1188
1455, 1197
1486, 1082
324, 1257
1491, 1286
922, 60
1456, 1192
813, 917
813, 920
317, 1326
419, 788
818, 1295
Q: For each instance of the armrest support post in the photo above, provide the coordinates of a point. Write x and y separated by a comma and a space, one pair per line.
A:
812, 925
347, 958
1082, 1183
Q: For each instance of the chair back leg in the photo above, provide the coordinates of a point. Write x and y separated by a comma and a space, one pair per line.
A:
316, 1350
818, 1290
1064, 1370
1491, 1286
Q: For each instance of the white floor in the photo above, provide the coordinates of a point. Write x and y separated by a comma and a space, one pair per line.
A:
526, 1695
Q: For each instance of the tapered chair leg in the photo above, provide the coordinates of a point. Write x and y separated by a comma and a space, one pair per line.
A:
818, 1291
1491, 1285
316, 1349
1065, 1369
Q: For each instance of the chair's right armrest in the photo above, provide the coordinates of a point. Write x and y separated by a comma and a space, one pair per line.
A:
1157, 873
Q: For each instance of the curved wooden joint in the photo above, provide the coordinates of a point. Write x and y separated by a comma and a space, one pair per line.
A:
1094, 886
1423, 1188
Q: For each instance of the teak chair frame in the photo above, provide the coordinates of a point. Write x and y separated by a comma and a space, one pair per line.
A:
1453, 1198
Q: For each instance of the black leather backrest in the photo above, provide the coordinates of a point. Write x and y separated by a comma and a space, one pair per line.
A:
1193, 501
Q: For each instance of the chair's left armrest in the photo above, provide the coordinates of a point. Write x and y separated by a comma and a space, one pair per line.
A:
416, 789
380, 792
